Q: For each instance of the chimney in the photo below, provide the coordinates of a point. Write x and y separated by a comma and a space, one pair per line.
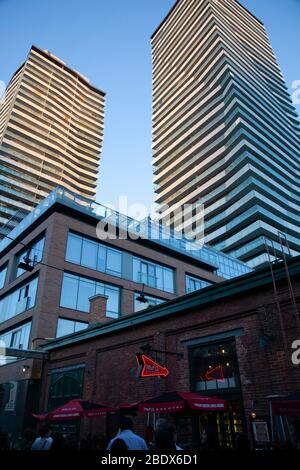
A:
98, 304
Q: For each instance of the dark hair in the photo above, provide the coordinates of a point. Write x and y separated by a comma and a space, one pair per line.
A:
125, 424
119, 445
44, 431
164, 439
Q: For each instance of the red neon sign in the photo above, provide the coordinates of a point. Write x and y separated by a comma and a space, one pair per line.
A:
217, 373
150, 368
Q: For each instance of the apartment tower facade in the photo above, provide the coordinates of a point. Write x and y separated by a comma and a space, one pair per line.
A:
51, 133
225, 131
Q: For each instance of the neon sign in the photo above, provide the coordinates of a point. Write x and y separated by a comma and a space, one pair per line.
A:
150, 368
217, 373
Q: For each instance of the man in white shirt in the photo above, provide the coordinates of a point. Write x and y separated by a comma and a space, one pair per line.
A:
44, 441
126, 434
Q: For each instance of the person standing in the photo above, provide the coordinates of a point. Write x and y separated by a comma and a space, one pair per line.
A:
43, 441
126, 434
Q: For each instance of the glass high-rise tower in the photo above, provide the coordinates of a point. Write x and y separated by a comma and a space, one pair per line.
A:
51, 133
225, 131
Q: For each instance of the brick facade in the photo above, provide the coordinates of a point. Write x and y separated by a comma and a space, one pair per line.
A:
265, 365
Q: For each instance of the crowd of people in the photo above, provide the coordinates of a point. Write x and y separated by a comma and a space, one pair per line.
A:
161, 438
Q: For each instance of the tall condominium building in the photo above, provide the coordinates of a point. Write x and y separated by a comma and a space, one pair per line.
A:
51, 133
225, 132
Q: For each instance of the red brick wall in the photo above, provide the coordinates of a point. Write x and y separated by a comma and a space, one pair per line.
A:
111, 365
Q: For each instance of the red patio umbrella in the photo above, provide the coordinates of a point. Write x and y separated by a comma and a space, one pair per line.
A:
177, 402
75, 409
287, 406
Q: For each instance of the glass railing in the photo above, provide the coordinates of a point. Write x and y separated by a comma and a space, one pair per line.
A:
222, 264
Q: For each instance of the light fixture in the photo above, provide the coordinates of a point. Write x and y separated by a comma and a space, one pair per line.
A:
25, 368
26, 264
227, 364
223, 351
141, 298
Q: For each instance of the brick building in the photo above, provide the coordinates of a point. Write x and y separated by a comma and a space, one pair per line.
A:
235, 338
66, 265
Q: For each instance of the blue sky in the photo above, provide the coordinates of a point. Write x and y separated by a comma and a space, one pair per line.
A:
108, 41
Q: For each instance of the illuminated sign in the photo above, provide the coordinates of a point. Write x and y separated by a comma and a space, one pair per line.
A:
216, 373
149, 368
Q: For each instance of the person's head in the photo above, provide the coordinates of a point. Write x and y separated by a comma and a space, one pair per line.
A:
164, 439
44, 431
126, 424
118, 446
165, 435
165, 424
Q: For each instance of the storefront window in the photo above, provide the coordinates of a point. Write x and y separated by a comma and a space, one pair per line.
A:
215, 367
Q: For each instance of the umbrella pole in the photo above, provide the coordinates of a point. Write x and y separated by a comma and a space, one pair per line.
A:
272, 422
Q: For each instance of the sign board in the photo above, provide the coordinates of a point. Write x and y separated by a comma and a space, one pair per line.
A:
149, 368
260, 430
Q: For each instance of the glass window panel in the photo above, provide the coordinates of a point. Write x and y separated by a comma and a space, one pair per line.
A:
168, 280
138, 306
93, 255
35, 255
64, 327
69, 291
89, 254
67, 327
100, 288
136, 270
215, 367
3, 272
159, 278
18, 301
101, 265
85, 291
112, 302
17, 337
79, 325
74, 246
114, 261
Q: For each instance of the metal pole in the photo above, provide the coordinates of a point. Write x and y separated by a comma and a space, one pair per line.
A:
272, 423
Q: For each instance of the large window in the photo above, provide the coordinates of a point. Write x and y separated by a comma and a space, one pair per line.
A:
19, 300
67, 327
215, 367
76, 292
153, 275
17, 338
194, 283
34, 252
3, 272
93, 255
151, 301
